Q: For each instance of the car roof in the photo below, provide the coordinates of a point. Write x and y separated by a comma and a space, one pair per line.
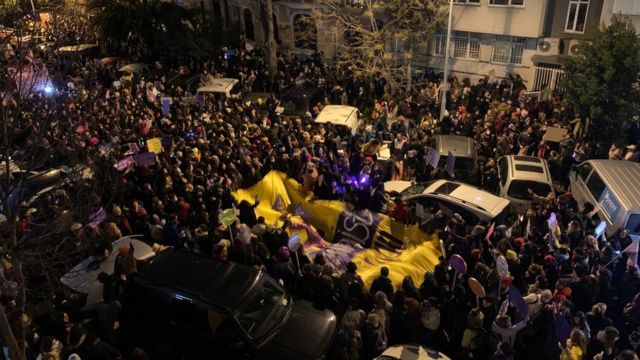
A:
219, 85
481, 199
133, 68
529, 168
622, 178
460, 146
336, 114
215, 282
300, 92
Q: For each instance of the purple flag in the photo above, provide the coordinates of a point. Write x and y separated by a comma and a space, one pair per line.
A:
166, 105
563, 329
451, 161
166, 142
96, 218
145, 159
516, 299
125, 164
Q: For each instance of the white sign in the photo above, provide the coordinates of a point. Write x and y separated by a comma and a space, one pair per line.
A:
433, 156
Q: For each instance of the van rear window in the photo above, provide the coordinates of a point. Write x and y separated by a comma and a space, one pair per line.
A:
529, 168
519, 189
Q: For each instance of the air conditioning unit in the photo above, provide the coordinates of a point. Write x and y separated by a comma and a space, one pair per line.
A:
549, 46
575, 48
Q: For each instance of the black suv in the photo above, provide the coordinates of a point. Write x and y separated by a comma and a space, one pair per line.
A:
196, 307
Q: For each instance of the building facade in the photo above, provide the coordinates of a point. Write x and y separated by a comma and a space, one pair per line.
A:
494, 38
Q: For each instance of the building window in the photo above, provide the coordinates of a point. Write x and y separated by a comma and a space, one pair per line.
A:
466, 45
439, 43
508, 50
577, 15
507, 2
466, 1
248, 25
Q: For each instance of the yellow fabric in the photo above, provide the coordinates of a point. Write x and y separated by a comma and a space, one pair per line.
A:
284, 198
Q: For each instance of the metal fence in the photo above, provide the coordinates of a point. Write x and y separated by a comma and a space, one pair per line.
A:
549, 75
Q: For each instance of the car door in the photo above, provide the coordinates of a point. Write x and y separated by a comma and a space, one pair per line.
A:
447, 205
503, 176
579, 180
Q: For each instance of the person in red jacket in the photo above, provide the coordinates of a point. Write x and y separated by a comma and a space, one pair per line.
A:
400, 213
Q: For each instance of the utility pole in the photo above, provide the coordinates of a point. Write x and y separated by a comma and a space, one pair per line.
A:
271, 47
445, 80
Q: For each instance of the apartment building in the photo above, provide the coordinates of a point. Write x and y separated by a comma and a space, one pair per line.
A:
494, 38
628, 10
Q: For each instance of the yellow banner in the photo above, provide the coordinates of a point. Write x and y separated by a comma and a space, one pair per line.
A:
405, 250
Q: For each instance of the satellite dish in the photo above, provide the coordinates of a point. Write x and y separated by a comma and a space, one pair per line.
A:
294, 242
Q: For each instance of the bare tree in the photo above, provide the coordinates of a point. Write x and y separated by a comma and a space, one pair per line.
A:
366, 34
31, 132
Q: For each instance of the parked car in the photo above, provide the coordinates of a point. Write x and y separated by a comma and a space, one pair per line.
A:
471, 203
34, 186
411, 352
464, 150
298, 100
612, 186
83, 278
522, 177
228, 87
339, 115
204, 308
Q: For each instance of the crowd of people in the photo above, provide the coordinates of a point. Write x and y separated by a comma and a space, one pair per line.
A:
580, 293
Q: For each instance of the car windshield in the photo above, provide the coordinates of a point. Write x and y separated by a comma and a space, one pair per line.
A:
265, 310
519, 189
461, 163
415, 190
294, 106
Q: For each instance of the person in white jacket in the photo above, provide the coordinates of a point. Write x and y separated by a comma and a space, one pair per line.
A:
502, 325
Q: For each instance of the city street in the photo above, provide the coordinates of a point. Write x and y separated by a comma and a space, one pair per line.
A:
329, 179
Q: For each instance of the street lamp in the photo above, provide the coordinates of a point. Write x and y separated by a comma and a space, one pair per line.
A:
445, 80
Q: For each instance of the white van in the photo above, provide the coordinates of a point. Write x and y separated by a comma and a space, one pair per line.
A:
340, 115
227, 86
613, 185
519, 174
471, 203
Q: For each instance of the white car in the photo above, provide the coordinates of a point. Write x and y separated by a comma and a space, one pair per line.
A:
519, 174
411, 352
228, 87
83, 278
471, 203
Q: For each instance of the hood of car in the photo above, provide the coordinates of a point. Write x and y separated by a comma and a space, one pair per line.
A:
305, 336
